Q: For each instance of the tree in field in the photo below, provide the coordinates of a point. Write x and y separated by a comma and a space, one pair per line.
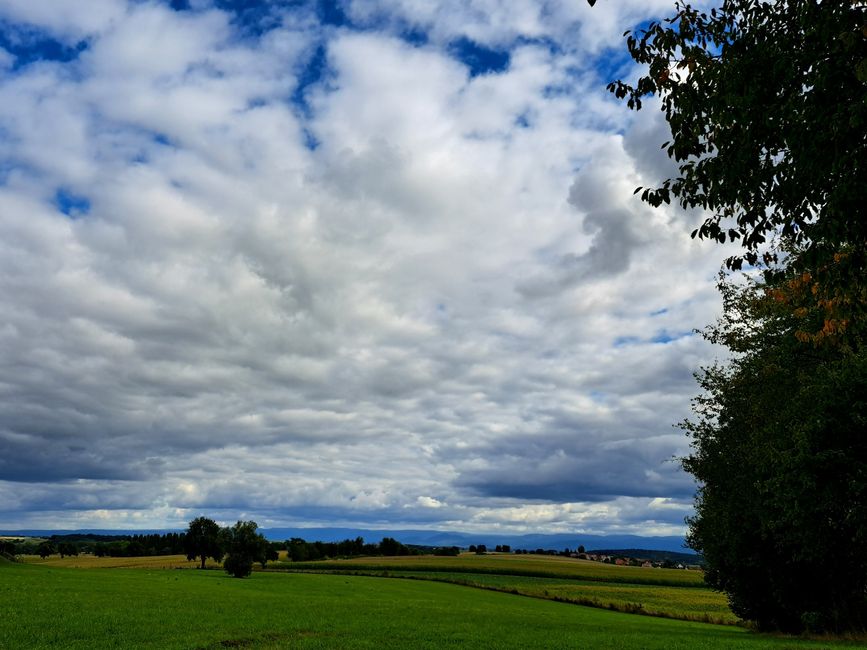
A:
297, 550
203, 539
67, 548
45, 549
244, 547
767, 107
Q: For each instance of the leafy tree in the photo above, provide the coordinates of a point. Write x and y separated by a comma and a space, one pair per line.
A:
766, 106
67, 548
767, 111
203, 539
452, 551
390, 546
7, 549
244, 547
779, 451
297, 549
45, 549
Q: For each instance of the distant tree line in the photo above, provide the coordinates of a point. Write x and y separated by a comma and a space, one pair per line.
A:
299, 550
204, 539
7, 549
566, 552
98, 545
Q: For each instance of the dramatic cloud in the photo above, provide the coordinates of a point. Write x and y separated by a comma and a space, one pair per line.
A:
361, 263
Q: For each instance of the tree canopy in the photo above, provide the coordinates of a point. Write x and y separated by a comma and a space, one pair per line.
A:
244, 547
203, 540
767, 106
778, 449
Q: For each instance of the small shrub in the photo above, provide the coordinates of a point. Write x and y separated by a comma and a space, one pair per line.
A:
238, 566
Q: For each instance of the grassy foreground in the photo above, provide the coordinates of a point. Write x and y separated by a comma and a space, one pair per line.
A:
44, 607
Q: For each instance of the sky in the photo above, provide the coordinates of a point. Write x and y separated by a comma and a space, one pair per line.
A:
361, 263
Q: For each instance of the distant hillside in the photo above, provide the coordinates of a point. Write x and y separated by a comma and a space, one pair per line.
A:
432, 538
89, 532
452, 538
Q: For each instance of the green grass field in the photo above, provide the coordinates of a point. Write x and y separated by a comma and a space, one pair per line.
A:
51, 607
660, 592
686, 603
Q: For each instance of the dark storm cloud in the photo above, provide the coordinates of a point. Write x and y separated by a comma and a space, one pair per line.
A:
41, 459
579, 468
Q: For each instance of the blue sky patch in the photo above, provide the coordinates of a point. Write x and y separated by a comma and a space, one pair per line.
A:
330, 12
29, 46
310, 141
548, 43
70, 204
250, 17
612, 64
478, 58
415, 36
312, 73
665, 336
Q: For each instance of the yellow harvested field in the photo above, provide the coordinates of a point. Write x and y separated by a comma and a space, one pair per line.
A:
93, 562
563, 567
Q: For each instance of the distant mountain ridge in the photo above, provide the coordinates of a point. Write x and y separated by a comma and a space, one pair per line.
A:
556, 541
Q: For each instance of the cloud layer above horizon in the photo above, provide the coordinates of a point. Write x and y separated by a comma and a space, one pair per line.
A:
365, 263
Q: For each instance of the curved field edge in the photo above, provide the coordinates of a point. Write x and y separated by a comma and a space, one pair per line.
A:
682, 603
544, 567
42, 607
